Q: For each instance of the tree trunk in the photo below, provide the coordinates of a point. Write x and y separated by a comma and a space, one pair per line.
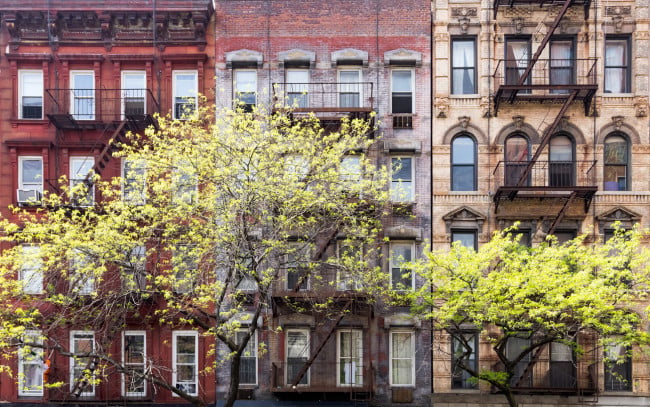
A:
512, 402
231, 396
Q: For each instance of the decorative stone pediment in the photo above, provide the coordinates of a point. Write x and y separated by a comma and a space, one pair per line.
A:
297, 55
404, 232
297, 320
402, 145
403, 56
401, 320
625, 217
244, 56
349, 56
463, 218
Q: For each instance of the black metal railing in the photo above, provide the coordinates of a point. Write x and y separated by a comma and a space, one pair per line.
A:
101, 105
328, 376
545, 174
334, 96
548, 76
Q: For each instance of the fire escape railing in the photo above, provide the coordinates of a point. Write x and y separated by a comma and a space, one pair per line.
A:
325, 96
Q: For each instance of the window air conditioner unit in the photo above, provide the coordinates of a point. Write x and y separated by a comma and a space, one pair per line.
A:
29, 196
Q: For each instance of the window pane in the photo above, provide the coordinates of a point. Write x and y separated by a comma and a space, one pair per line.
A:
402, 355
463, 67
402, 92
401, 81
463, 150
464, 355
466, 238
463, 178
32, 172
402, 179
616, 66
31, 272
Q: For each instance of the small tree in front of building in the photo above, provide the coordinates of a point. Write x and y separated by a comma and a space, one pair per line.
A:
525, 301
206, 219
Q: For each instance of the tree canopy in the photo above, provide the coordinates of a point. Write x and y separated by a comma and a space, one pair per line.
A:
208, 210
521, 299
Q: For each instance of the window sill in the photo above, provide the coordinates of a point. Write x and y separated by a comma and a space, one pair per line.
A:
465, 96
15, 122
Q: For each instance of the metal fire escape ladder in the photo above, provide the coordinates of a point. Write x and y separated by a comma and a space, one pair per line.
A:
320, 347
560, 215
542, 45
529, 367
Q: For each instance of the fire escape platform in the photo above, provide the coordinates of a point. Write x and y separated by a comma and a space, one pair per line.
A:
541, 3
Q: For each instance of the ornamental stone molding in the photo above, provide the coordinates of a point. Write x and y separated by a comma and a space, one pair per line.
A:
403, 56
297, 55
442, 107
463, 218
622, 216
641, 106
349, 56
244, 56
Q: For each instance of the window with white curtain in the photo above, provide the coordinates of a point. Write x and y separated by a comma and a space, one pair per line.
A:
517, 60
617, 63
562, 64
350, 357
402, 358
463, 66
30, 365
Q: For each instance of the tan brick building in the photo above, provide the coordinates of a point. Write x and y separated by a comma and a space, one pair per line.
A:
540, 116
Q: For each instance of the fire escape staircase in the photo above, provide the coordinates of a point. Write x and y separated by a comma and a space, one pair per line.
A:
510, 93
528, 371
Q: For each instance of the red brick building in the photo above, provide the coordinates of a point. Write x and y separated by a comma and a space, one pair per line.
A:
73, 76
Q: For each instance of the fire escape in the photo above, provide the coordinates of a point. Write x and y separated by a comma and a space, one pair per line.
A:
102, 117
550, 81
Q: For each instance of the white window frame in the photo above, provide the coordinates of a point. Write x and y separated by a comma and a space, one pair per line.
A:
36, 359
75, 95
347, 281
31, 269
130, 185
307, 352
297, 87
87, 286
28, 78
355, 370
411, 357
392, 87
186, 184
342, 85
78, 163
189, 93
133, 93
175, 363
236, 85
399, 186
73, 361
38, 186
126, 364
251, 348
395, 263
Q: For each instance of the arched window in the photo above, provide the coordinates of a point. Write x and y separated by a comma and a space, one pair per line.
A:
516, 156
561, 166
616, 159
463, 163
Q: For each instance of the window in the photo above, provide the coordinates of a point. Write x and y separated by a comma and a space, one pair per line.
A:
184, 268
466, 238
134, 91
298, 350
245, 88
562, 370
30, 365
463, 164
350, 168
82, 192
244, 280
350, 256
463, 66
402, 187
617, 63
82, 278
401, 277
185, 181
31, 269
516, 156
561, 166
517, 61
464, 347
82, 95
185, 367
82, 364
134, 181
618, 368
297, 87
135, 274
350, 357
616, 159
402, 91
564, 236
298, 267
248, 363
523, 376
186, 91
30, 180
349, 88
402, 358
30, 94
134, 358
562, 64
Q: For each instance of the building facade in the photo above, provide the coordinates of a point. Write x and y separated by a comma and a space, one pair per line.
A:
75, 78
341, 59
541, 118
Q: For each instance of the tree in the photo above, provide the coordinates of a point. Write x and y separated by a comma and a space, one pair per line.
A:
209, 208
522, 300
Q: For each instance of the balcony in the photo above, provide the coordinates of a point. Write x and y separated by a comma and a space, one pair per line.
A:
544, 179
329, 101
549, 80
510, 3
81, 109
323, 377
